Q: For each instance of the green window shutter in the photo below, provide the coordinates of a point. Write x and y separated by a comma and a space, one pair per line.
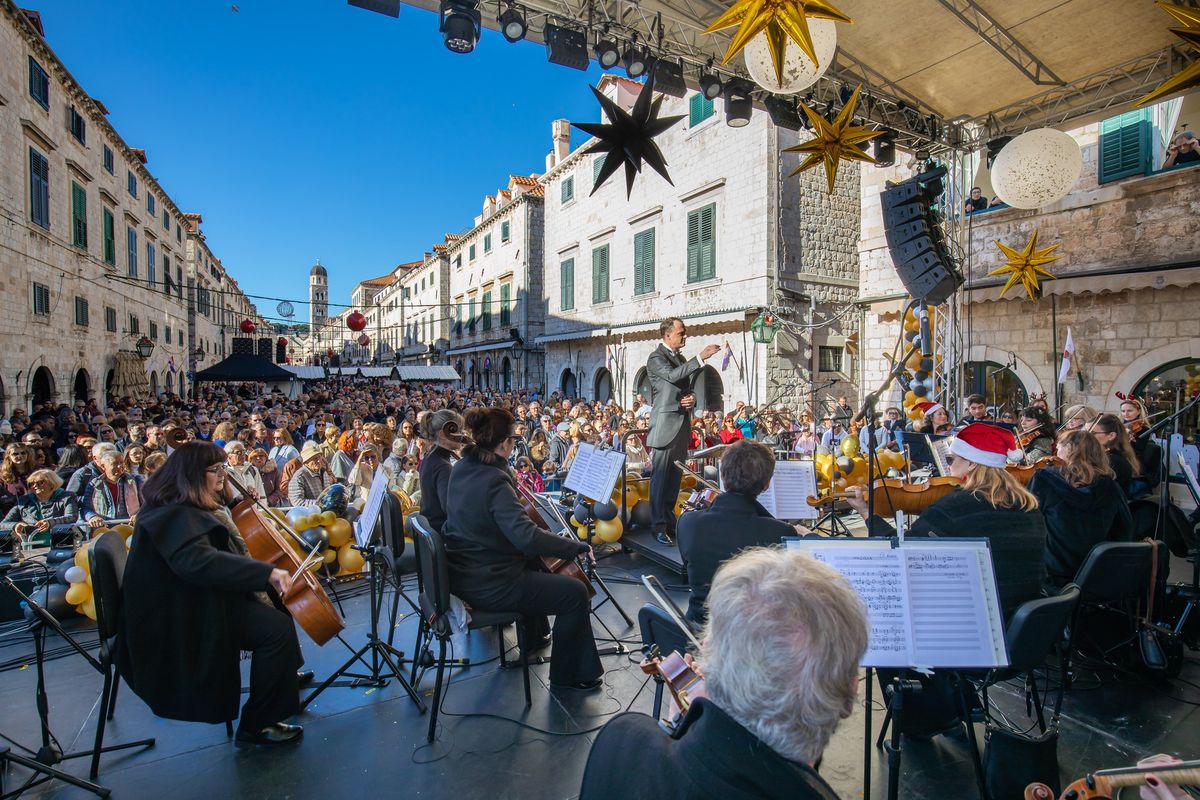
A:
643, 262
505, 302
487, 311
471, 254
693, 246
110, 245
568, 189
600, 274
78, 216
505, 231
706, 243
487, 243
567, 284
700, 108
1125, 146
597, 165
471, 316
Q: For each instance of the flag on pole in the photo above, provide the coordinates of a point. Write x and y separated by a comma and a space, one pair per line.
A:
728, 356
171, 364
1067, 355
609, 350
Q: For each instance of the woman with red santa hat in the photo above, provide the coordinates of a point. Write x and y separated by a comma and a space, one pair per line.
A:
936, 419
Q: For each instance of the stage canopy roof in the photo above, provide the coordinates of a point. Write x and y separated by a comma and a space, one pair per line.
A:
1002, 66
244, 367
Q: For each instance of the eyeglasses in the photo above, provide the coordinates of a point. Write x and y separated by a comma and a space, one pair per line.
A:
216, 469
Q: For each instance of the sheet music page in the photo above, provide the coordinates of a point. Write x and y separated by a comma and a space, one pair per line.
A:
955, 607
940, 449
594, 472
879, 575
364, 526
791, 486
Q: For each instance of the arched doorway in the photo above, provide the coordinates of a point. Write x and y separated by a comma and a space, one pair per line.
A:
569, 385
1165, 391
153, 384
83, 385
42, 386
181, 384
506, 374
710, 390
602, 388
3, 399
641, 385
472, 376
998, 384
108, 384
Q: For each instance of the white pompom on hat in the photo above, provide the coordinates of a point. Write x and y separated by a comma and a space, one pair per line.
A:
986, 445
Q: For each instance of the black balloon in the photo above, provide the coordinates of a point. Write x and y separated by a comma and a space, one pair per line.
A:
640, 515
920, 389
927, 364
582, 513
316, 537
921, 375
910, 335
605, 511
334, 499
53, 598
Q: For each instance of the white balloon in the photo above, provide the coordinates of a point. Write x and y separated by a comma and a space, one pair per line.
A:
75, 575
799, 72
296, 513
1037, 168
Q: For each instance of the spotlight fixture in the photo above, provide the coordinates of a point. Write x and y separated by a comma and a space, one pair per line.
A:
566, 47
637, 61
607, 53
739, 103
459, 23
994, 146
710, 86
783, 113
513, 25
845, 93
668, 78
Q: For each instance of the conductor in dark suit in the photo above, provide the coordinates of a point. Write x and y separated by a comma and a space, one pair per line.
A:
672, 378
735, 521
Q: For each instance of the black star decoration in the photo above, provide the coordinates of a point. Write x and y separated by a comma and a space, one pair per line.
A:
628, 138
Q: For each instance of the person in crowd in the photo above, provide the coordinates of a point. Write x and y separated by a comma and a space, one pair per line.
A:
560, 445
934, 419
731, 431
73, 457
490, 542
521, 445
1082, 504
805, 440
330, 445
408, 479
780, 658
539, 448
112, 495
747, 421
15, 469
153, 464
192, 605
346, 455
446, 430
311, 479
843, 412
1008, 416
976, 410
1149, 453
43, 508
1184, 149
1077, 416
362, 476
550, 477
734, 521
528, 478
833, 435
237, 461
1037, 433
134, 456
1110, 431
83, 477
274, 492
223, 434
283, 450
976, 202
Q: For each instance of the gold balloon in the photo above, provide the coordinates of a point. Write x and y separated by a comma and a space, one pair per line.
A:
81, 560
125, 530
688, 481
339, 533
350, 559
330, 555
89, 608
849, 446
609, 530
327, 518
910, 399
78, 593
914, 361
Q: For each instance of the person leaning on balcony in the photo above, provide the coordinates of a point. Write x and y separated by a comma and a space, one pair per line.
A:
1184, 149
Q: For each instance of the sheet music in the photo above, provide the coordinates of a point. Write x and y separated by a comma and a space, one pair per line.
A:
940, 449
364, 526
791, 486
929, 603
594, 472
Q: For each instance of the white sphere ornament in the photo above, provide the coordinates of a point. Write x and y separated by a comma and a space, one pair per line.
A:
1037, 168
799, 72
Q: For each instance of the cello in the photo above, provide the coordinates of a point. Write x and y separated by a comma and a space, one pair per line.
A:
1105, 784
558, 566
270, 540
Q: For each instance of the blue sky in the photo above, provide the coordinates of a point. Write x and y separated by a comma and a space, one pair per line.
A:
313, 129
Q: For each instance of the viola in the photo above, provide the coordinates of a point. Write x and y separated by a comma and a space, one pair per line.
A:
898, 494
1104, 785
1024, 472
682, 679
559, 566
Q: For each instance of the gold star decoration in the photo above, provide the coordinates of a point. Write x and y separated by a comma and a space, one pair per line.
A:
833, 141
1190, 33
1026, 266
781, 19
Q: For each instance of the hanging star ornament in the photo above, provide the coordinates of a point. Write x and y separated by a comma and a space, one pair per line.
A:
628, 138
1190, 76
833, 141
781, 19
1026, 266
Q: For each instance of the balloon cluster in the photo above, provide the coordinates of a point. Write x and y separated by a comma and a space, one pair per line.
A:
607, 514
331, 535
71, 586
848, 467
918, 375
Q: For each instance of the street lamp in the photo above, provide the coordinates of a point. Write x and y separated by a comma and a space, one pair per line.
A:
198, 356
764, 327
144, 347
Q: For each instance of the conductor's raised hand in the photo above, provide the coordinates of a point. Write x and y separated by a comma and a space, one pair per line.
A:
709, 352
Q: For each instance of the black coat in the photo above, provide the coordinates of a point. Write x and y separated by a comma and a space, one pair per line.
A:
1077, 519
715, 758
489, 537
714, 535
180, 616
1017, 540
1123, 468
435, 486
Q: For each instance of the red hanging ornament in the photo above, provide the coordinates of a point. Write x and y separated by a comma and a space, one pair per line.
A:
329, 353
247, 326
356, 321
364, 340
282, 341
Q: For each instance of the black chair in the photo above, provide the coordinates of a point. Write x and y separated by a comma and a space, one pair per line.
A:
106, 556
1112, 577
435, 606
399, 560
659, 630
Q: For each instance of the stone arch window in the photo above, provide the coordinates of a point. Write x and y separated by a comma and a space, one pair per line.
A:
1166, 389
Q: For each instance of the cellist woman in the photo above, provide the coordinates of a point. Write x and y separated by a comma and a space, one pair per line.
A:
193, 600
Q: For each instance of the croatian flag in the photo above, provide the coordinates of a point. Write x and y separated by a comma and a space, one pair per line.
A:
728, 356
609, 350
1068, 354
171, 364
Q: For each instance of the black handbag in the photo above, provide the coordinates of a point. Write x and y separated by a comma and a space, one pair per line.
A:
1012, 760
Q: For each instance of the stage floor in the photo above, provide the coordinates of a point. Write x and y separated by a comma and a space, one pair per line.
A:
366, 742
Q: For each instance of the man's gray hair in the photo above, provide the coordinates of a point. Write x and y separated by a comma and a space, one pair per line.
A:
747, 467
100, 448
109, 456
781, 649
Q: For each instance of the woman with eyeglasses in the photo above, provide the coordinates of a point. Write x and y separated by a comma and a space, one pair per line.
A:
44, 507
362, 476
134, 456
15, 469
1110, 431
193, 600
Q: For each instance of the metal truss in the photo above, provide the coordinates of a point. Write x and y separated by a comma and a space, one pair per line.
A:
970, 14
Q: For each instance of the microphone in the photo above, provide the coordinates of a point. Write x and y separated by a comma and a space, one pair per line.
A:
926, 336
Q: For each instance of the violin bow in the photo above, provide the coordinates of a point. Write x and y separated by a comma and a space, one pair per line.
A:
660, 596
311, 550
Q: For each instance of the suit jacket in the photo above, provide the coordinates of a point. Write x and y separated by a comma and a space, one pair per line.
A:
670, 376
709, 537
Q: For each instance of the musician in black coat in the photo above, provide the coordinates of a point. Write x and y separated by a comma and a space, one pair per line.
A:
443, 428
191, 604
735, 520
780, 662
491, 547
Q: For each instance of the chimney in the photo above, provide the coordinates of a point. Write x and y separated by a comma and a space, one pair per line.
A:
561, 134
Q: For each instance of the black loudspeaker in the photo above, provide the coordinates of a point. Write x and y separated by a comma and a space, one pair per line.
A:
280, 352
914, 235
242, 346
264, 348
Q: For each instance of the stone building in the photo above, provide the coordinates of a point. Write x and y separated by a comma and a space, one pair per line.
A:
418, 328
496, 290
1127, 285
93, 250
734, 235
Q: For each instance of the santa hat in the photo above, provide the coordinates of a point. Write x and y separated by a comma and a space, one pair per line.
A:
986, 445
927, 407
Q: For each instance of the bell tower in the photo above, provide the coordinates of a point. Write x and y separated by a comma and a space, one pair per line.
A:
318, 296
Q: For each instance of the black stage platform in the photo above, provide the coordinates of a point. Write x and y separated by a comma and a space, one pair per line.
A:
365, 742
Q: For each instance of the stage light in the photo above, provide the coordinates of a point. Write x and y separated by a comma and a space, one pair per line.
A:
566, 47
607, 53
668, 78
739, 104
783, 113
513, 25
994, 147
637, 62
884, 149
710, 86
459, 23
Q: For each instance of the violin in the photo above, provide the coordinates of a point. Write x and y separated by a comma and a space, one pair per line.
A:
1135, 427
267, 539
1024, 472
1027, 438
682, 679
1104, 785
558, 566
897, 494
